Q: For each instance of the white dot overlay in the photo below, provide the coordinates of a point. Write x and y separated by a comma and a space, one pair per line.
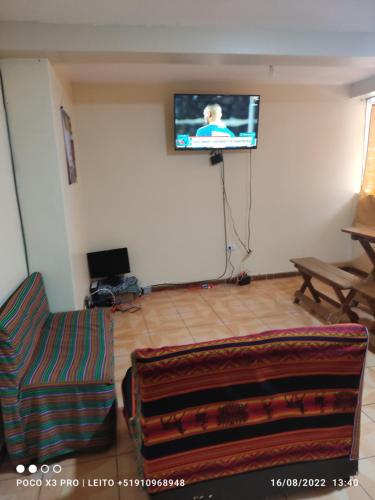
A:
20, 468
33, 468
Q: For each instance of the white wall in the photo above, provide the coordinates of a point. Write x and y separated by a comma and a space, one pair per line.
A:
72, 193
12, 256
166, 207
37, 159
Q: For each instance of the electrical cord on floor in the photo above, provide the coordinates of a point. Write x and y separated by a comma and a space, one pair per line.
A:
107, 290
115, 307
123, 308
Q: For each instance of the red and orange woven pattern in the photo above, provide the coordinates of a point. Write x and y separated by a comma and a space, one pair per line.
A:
208, 410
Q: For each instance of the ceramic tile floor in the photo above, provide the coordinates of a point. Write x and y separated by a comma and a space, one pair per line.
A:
180, 317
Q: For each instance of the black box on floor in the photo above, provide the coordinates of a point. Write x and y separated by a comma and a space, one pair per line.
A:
244, 280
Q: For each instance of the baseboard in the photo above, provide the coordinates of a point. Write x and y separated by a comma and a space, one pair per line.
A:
200, 284
255, 277
273, 276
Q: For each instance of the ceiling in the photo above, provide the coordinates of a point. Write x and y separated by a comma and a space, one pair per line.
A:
299, 15
116, 41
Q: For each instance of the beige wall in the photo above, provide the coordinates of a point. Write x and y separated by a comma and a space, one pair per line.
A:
166, 207
31, 91
72, 193
12, 255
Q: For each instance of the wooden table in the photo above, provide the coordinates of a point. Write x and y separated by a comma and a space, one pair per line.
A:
366, 289
365, 236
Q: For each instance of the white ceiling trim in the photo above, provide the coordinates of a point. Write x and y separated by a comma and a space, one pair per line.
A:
35, 37
289, 15
339, 58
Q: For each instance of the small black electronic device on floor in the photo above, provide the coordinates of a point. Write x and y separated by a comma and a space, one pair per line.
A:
99, 300
244, 279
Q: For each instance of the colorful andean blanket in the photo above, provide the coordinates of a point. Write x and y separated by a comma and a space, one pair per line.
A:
214, 409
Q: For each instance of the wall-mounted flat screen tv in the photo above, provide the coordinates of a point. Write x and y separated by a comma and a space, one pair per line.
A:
210, 121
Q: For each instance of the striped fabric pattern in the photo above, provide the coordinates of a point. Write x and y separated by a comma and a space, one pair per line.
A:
73, 418
73, 349
214, 409
21, 321
65, 399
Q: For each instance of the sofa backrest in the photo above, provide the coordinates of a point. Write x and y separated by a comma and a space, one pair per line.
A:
21, 320
260, 400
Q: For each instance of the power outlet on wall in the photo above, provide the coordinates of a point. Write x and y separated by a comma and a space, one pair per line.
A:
231, 247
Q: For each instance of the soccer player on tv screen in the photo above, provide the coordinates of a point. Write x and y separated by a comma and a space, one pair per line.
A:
215, 127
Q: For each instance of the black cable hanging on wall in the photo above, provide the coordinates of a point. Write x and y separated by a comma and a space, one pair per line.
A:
227, 253
244, 244
14, 175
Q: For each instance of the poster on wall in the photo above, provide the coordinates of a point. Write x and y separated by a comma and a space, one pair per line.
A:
69, 146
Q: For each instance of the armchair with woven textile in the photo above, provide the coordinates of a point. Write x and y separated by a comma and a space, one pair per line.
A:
56, 377
247, 414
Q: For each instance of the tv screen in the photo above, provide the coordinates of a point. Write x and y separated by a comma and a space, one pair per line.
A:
209, 121
108, 263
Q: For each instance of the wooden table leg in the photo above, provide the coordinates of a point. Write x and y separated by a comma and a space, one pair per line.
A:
366, 245
371, 328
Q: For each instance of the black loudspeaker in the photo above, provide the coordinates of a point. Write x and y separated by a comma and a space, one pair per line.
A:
216, 156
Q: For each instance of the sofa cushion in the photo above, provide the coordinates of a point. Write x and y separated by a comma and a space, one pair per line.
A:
74, 347
21, 320
214, 409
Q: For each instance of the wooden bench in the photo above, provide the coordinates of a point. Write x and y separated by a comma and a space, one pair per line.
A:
340, 281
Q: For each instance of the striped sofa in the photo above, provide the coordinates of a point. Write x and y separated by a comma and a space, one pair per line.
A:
56, 377
247, 414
